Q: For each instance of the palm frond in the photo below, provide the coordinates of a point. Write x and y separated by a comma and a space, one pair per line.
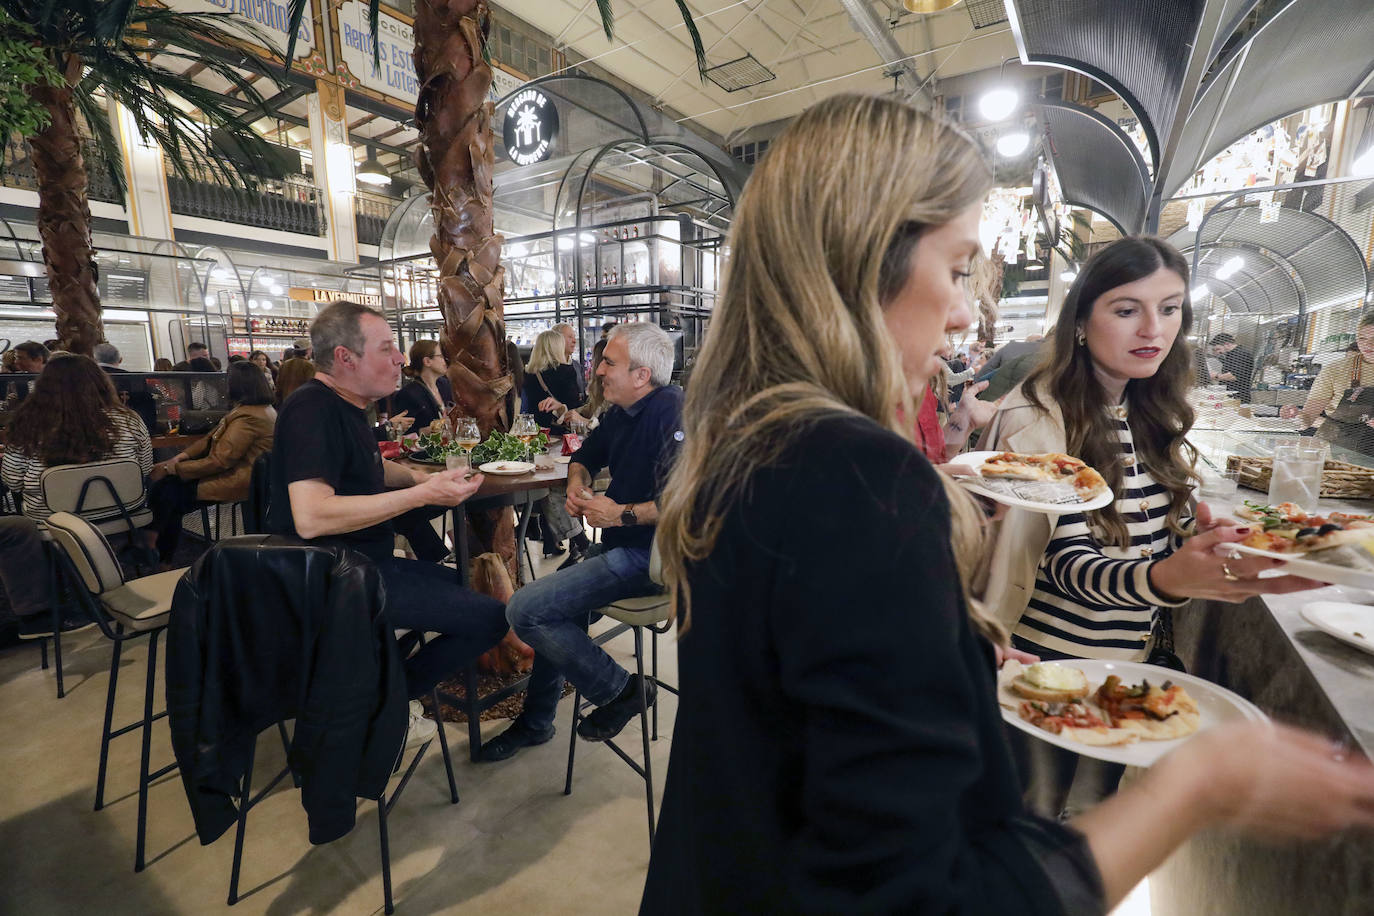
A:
97, 119
296, 12
111, 20
697, 46
607, 17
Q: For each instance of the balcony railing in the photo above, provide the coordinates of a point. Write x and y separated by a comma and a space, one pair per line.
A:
287, 206
19, 171
372, 212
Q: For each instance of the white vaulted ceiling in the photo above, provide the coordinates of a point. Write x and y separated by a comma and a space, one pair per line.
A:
811, 45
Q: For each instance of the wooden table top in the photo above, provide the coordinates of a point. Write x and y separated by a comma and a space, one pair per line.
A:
501, 485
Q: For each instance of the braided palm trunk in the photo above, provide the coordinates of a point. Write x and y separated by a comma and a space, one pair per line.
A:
456, 157
64, 218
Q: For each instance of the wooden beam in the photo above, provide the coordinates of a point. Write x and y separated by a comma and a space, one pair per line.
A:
361, 121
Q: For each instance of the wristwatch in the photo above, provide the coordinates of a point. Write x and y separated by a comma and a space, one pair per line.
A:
627, 516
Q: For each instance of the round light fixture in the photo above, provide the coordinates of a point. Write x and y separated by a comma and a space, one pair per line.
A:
209, 300
1013, 144
998, 104
1068, 276
371, 171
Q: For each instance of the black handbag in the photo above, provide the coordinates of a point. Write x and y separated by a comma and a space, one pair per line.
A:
1162, 648
199, 422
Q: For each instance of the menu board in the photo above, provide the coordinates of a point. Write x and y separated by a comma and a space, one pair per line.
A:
124, 285
14, 289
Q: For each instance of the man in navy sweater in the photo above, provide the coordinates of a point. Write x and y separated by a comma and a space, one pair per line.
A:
637, 439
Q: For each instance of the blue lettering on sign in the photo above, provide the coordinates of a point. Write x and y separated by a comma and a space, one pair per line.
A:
269, 14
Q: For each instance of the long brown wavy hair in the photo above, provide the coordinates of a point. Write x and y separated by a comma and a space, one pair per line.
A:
822, 238
1159, 413
68, 416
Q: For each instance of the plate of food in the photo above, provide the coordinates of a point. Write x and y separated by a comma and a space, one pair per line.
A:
1121, 712
1350, 623
506, 468
422, 456
1052, 483
1337, 548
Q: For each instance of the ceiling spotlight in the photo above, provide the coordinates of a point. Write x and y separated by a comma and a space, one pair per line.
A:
252, 303
1068, 276
371, 172
209, 300
1014, 144
264, 281
998, 104
1228, 270
1200, 291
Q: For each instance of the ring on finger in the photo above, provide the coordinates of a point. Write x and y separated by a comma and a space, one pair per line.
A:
1226, 571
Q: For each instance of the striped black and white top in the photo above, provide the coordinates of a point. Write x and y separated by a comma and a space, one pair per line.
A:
1092, 601
21, 472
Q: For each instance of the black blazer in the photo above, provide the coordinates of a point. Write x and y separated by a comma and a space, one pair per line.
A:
838, 746
417, 402
307, 641
562, 384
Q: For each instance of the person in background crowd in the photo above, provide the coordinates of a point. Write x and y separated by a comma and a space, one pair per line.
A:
217, 468
515, 398
162, 364
595, 404
289, 353
304, 349
637, 440
420, 398
140, 402
235, 358
606, 329
53, 345
73, 416
331, 485
9, 360
259, 359
1237, 365
955, 374
293, 374
214, 361
859, 766
197, 350
31, 356
1112, 393
1339, 386
570, 353
551, 384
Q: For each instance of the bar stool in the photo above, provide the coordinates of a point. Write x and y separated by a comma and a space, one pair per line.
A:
654, 613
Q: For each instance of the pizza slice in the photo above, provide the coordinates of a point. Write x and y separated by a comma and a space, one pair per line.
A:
1149, 711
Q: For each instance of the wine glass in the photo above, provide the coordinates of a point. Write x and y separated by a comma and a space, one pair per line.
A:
526, 430
467, 436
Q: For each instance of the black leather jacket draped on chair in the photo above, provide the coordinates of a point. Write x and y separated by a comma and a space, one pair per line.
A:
266, 628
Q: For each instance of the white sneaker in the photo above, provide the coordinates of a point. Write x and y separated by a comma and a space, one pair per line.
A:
421, 729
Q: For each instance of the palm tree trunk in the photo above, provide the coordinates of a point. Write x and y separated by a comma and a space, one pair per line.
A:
64, 218
455, 158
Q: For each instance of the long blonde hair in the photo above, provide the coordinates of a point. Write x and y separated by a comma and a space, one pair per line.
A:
822, 237
547, 353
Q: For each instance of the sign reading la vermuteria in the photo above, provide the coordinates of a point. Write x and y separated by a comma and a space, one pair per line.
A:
531, 127
309, 294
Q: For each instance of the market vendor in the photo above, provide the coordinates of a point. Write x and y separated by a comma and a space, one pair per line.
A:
1341, 403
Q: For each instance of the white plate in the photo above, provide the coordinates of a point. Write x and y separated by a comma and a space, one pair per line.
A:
563, 459
1298, 565
1216, 705
974, 460
506, 468
1350, 623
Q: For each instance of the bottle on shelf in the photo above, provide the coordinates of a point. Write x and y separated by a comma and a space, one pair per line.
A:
635, 229
615, 277
634, 276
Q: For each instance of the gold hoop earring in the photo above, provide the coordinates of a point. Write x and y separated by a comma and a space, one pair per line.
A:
1082, 338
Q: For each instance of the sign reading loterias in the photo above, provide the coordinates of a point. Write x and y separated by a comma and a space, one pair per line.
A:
270, 16
530, 128
394, 74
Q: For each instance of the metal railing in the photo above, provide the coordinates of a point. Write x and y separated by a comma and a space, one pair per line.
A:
19, 171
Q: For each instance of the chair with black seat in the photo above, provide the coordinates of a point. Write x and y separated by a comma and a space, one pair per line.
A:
259, 496
654, 613
124, 610
309, 642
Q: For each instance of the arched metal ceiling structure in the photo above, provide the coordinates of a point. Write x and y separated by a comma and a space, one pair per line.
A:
1305, 251
1098, 166
1311, 53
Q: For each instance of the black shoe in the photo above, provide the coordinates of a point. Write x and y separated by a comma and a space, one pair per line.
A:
575, 555
39, 626
511, 741
605, 722
556, 550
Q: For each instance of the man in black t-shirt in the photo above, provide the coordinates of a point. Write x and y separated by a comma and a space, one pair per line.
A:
330, 484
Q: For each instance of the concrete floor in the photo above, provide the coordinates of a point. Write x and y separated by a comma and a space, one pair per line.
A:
514, 843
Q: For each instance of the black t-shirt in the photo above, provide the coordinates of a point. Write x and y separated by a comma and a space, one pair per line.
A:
320, 436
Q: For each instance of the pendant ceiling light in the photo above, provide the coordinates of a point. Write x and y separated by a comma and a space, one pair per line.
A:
371, 172
929, 6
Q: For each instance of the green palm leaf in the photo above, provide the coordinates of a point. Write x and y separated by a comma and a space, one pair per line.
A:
603, 7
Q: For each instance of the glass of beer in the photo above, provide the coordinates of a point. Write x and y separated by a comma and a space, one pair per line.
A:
467, 437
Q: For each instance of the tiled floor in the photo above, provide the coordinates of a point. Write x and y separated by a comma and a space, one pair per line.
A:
515, 843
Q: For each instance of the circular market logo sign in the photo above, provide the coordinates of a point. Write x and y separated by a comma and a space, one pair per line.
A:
531, 127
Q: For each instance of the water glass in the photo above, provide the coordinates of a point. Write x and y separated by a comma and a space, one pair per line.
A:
1218, 490
1297, 477
458, 461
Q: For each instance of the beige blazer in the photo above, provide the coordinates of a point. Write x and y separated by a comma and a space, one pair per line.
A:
1016, 544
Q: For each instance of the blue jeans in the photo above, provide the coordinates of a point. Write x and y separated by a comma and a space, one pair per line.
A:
429, 598
551, 615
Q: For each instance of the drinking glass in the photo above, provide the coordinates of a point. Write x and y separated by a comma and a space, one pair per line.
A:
467, 436
1218, 490
1297, 476
526, 430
